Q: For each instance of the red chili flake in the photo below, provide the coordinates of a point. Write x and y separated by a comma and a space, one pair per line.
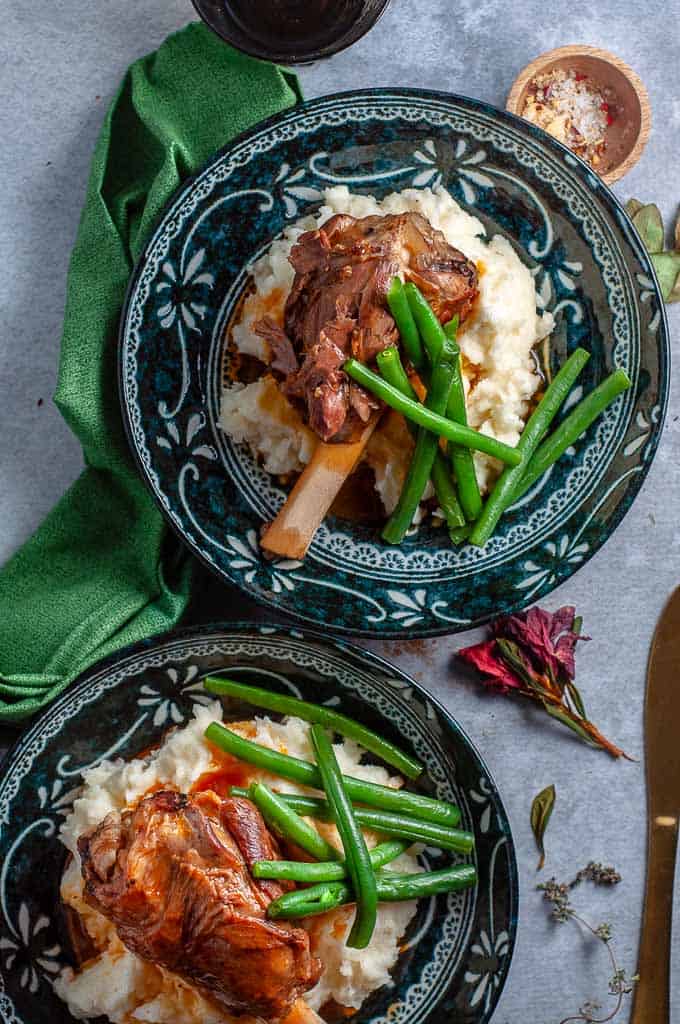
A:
610, 119
579, 77
604, 106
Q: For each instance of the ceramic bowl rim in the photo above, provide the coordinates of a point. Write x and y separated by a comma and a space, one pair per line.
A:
599, 188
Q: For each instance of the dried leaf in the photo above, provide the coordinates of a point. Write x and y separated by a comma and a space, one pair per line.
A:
649, 224
675, 291
632, 207
576, 699
667, 266
541, 809
511, 654
566, 719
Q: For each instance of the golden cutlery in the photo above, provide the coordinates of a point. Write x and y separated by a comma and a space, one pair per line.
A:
662, 746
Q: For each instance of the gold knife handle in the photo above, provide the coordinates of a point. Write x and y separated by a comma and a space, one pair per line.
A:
652, 993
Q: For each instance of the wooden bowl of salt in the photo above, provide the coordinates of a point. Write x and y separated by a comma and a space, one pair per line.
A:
591, 101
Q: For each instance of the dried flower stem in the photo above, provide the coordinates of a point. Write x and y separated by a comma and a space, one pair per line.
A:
558, 894
596, 737
615, 968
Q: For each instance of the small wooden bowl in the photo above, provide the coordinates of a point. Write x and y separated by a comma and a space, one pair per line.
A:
627, 136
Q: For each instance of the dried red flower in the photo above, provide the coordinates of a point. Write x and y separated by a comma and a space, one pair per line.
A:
532, 654
485, 657
548, 638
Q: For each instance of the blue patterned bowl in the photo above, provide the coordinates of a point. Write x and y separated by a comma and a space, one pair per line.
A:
457, 951
591, 271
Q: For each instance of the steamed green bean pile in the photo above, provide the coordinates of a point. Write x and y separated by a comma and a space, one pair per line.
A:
444, 443
350, 872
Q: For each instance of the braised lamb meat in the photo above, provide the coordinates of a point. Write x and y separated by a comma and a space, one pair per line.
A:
337, 307
172, 875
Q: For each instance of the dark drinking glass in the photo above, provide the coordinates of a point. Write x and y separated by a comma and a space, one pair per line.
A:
290, 31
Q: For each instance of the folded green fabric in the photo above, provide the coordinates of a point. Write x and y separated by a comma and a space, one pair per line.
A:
103, 570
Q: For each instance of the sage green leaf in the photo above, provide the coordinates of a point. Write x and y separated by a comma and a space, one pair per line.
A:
667, 266
650, 227
570, 723
513, 658
541, 809
632, 207
675, 292
577, 699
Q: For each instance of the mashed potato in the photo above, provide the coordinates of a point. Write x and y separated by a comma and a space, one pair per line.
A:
497, 342
119, 985
262, 416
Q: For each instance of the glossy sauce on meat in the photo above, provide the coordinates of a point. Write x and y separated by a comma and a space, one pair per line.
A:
173, 876
231, 772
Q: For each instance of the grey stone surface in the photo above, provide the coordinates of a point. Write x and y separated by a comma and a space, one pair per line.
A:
59, 66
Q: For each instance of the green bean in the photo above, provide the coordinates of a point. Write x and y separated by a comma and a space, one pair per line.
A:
426, 449
330, 900
318, 892
288, 823
244, 793
391, 888
462, 462
406, 325
414, 804
445, 489
534, 431
322, 898
429, 328
458, 536
392, 370
441, 836
465, 503
571, 428
424, 418
461, 458
328, 871
357, 859
309, 712
451, 330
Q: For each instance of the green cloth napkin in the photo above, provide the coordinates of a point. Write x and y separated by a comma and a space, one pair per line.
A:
103, 570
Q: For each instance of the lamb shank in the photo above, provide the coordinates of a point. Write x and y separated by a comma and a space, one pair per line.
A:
337, 308
173, 877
